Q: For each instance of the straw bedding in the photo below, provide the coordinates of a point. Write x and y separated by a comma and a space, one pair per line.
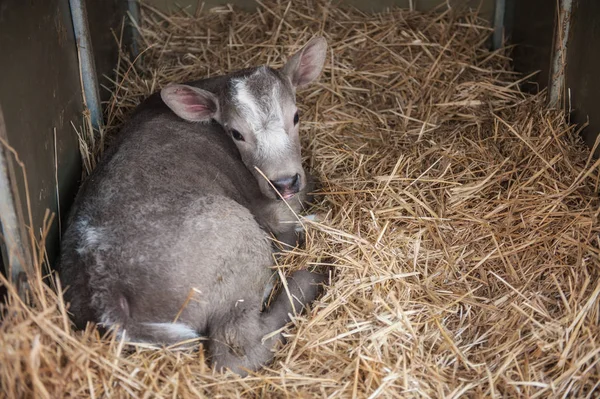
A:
459, 215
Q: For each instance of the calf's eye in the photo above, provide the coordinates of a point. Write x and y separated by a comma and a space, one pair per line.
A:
237, 135
296, 118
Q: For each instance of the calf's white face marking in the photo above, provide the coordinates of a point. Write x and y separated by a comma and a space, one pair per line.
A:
264, 116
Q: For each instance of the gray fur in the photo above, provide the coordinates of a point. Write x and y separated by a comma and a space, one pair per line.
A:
177, 210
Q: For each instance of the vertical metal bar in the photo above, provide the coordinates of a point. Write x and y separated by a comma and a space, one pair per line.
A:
559, 60
86, 61
133, 7
16, 259
499, 12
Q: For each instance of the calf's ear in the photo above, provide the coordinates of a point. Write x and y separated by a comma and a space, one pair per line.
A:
190, 103
306, 65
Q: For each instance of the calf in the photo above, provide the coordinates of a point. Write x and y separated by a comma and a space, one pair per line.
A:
168, 239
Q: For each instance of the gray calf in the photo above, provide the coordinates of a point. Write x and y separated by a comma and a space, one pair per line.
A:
168, 239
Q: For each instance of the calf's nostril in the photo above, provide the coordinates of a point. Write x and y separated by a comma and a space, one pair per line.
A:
296, 181
287, 184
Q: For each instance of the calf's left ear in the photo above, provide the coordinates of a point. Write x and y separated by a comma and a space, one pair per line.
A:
190, 103
306, 65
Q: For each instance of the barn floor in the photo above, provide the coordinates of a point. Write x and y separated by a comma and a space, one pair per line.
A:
460, 217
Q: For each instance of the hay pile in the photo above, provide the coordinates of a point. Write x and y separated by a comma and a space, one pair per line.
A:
460, 216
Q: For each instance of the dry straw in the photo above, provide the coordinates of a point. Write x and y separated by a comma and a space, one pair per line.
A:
459, 214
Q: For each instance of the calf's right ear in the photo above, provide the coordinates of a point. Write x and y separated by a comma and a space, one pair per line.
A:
190, 103
306, 65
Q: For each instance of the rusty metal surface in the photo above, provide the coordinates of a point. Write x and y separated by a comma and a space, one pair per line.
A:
40, 95
557, 93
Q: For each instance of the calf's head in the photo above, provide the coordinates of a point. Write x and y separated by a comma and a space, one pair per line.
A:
257, 108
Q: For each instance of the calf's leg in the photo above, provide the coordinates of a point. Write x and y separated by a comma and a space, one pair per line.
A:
237, 340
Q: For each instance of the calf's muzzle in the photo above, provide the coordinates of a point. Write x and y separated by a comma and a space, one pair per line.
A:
287, 186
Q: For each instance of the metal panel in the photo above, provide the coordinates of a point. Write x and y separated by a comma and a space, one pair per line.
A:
486, 6
582, 82
530, 26
536, 38
105, 20
40, 95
